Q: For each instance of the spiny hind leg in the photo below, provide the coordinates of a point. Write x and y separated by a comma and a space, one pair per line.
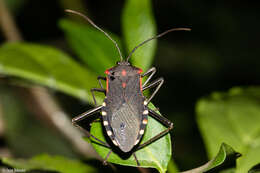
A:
162, 120
85, 115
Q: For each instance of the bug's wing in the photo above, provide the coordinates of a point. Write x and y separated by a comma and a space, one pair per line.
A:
125, 124
126, 116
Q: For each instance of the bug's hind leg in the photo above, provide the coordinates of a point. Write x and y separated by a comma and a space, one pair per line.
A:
162, 120
137, 162
87, 115
107, 156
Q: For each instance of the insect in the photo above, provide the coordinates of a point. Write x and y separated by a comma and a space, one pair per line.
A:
125, 109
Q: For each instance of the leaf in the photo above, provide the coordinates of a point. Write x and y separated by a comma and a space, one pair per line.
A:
91, 45
155, 155
49, 163
139, 25
255, 169
232, 117
47, 66
226, 155
172, 167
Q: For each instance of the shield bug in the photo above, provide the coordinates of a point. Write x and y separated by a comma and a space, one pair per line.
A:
125, 109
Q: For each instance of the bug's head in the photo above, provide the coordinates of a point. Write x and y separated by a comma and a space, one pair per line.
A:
123, 63
123, 69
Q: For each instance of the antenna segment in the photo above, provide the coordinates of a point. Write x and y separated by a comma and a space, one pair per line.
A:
157, 36
93, 24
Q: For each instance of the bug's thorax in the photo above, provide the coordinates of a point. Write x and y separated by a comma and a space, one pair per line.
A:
122, 74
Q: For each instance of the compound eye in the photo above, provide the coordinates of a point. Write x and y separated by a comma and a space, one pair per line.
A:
111, 78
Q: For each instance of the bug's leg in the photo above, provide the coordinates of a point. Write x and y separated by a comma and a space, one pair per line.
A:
149, 72
84, 116
99, 80
97, 90
162, 120
105, 160
157, 83
137, 162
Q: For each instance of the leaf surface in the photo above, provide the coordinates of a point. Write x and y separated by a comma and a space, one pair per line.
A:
226, 156
232, 117
49, 67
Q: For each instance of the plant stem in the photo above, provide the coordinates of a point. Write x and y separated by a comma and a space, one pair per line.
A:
7, 24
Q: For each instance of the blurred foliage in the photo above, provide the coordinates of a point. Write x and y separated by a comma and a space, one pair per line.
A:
15, 5
91, 45
25, 135
47, 66
139, 25
50, 163
232, 117
221, 53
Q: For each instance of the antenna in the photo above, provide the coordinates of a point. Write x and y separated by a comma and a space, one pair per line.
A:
155, 37
93, 24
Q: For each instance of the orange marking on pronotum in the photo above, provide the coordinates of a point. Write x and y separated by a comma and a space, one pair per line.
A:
107, 72
123, 72
140, 71
141, 88
107, 84
123, 84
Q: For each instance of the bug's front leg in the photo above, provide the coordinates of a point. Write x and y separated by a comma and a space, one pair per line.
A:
162, 120
99, 81
97, 90
157, 83
149, 72
85, 115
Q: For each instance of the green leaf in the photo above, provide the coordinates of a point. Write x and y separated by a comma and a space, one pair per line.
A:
49, 163
232, 117
172, 167
155, 155
91, 45
139, 25
47, 66
226, 155
255, 169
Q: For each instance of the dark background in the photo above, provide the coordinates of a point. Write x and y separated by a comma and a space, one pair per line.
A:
222, 51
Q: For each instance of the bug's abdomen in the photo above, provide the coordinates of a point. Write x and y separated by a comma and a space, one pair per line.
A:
124, 113
125, 124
